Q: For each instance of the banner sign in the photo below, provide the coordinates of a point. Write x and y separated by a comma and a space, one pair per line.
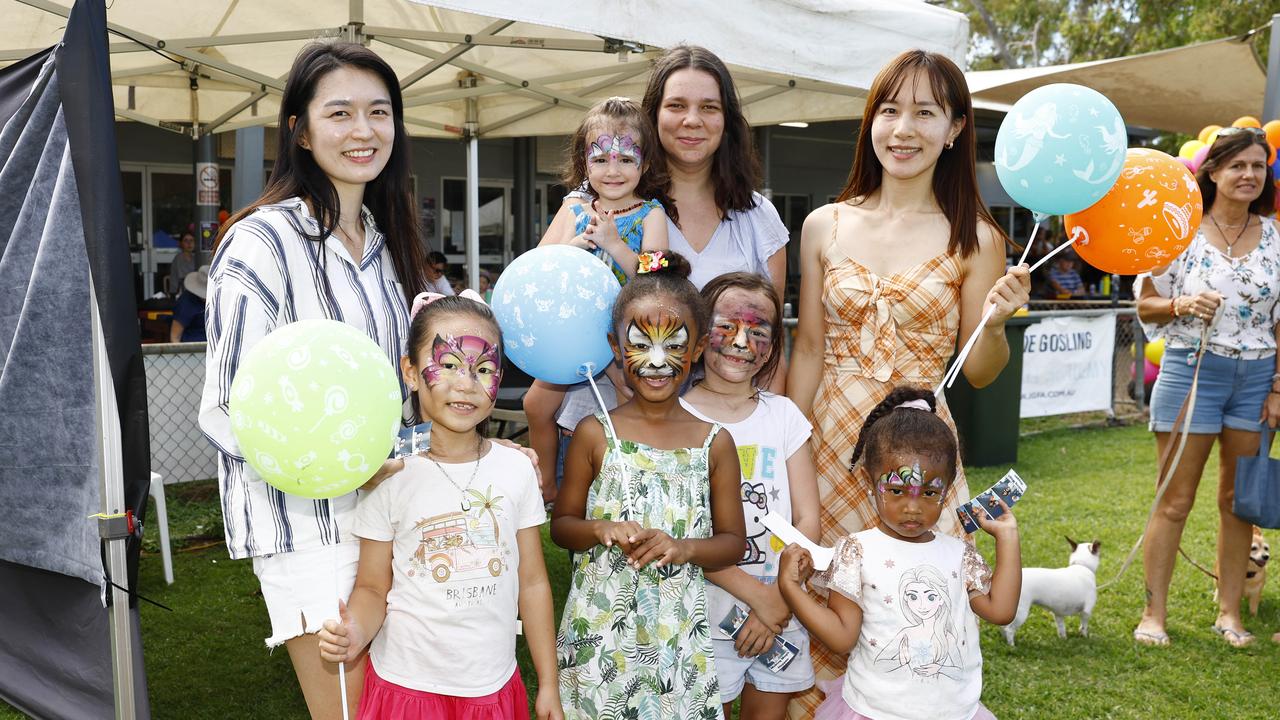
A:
1067, 365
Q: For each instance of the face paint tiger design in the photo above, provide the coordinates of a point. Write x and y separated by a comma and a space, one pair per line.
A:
657, 346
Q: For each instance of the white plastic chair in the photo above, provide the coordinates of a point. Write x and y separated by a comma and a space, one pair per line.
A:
162, 519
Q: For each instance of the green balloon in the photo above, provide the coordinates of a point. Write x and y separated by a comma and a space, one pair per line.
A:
315, 407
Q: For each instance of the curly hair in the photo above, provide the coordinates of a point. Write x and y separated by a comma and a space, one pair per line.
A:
671, 280
893, 429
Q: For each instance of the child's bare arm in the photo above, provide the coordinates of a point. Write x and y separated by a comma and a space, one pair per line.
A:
1000, 604
560, 231
538, 618
362, 615
803, 482
569, 527
655, 231
838, 623
728, 529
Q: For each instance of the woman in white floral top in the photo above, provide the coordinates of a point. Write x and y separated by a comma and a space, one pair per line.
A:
1229, 278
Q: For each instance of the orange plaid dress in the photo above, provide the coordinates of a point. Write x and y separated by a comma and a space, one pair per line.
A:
881, 332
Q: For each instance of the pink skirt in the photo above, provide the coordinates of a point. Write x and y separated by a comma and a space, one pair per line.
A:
835, 708
384, 700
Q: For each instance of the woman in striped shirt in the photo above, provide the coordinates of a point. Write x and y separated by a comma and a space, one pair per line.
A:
310, 248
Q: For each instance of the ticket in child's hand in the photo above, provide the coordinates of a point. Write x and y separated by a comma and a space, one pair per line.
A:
1009, 488
777, 657
788, 534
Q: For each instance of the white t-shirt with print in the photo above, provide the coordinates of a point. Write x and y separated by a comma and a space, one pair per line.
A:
766, 439
917, 654
451, 613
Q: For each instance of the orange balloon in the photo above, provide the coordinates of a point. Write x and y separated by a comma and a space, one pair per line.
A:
1273, 133
1206, 132
1145, 221
1246, 121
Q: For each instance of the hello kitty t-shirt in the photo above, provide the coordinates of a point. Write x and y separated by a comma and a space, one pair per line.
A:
917, 654
773, 432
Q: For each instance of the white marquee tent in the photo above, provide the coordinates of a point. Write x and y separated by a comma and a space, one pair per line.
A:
491, 68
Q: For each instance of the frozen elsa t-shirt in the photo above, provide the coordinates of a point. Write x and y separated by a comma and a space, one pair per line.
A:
917, 655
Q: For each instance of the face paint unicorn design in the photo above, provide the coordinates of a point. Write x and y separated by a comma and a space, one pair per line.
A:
467, 356
910, 481
614, 148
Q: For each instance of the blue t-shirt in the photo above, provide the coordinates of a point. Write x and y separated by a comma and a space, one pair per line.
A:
189, 310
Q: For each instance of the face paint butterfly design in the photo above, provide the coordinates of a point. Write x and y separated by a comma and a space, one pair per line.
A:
754, 494
465, 356
910, 480
615, 148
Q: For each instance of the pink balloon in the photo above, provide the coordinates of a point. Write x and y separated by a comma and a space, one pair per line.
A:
1198, 160
1188, 164
1149, 371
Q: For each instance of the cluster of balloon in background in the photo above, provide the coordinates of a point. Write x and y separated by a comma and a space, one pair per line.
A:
1193, 152
315, 405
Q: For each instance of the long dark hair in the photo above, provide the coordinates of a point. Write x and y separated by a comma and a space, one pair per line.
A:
615, 115
890, 428
735, 169
751, 282
1220, 154
955, 178
296, 173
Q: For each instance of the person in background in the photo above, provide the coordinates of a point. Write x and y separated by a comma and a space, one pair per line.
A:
437, 267
188, 311
486, 286
457, 281
184, 263
1064, 279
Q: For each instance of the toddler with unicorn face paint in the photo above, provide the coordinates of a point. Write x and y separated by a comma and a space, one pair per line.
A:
907, 598
615, 161
450, 548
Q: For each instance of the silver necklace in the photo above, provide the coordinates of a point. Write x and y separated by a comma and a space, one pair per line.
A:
1232, 244
464, 504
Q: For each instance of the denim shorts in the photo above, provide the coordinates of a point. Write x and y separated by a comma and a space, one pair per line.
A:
1230, 394
734, 671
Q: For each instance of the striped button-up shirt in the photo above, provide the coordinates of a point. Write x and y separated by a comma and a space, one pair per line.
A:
267, 274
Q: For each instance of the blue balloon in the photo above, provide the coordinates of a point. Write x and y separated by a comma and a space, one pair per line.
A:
554, 305
1060, 149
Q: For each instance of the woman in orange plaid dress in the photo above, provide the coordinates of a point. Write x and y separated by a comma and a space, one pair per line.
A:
903, 263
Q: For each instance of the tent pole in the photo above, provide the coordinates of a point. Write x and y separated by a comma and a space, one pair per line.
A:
111, 475
1271, 102
473, 196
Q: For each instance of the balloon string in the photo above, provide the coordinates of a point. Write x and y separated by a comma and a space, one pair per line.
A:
953, 372
1055, 251
342, 666
588, 369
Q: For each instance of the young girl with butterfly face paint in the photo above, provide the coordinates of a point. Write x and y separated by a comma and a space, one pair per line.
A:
645, 513
744, 345
450, 548
907, 597
617, 215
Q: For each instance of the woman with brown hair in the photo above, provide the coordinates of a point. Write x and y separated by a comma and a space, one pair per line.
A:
1228, 278
903, 263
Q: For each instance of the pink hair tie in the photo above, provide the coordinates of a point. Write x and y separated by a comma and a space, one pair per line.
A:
918, 404
424, 299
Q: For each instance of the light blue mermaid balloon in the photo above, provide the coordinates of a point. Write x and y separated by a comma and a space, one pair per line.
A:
1060, 149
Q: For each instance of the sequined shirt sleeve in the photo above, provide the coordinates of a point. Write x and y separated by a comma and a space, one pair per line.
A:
977, 573
845, 572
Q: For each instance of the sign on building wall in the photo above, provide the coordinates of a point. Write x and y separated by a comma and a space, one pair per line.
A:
1067, 365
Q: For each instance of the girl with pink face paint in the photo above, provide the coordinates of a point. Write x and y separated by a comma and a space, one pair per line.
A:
743, 350
616, 215
450, 547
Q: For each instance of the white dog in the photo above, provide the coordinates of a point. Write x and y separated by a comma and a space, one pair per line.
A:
1071, 590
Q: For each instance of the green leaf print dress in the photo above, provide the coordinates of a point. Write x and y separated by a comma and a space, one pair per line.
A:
636, 645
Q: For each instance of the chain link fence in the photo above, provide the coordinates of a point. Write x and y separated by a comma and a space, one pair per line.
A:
175, 379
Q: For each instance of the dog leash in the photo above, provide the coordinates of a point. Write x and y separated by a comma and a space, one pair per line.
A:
1167, 468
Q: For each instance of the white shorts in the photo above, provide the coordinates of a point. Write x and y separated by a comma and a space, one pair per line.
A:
302, 588
734, 671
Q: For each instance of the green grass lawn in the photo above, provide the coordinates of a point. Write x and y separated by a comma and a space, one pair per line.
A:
206, 658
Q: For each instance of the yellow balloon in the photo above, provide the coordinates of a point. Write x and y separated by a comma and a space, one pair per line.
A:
1189, 148
1247, 121
1154, 351
1206, 132
1213, 136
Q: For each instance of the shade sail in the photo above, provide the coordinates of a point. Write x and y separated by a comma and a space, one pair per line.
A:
531, 66
1180, 90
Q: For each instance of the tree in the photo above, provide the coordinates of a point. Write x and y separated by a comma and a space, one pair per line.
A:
1029, 33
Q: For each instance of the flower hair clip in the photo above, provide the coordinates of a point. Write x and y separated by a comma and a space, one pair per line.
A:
651, 262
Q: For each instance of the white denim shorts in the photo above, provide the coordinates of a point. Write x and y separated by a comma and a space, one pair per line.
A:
302, 588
